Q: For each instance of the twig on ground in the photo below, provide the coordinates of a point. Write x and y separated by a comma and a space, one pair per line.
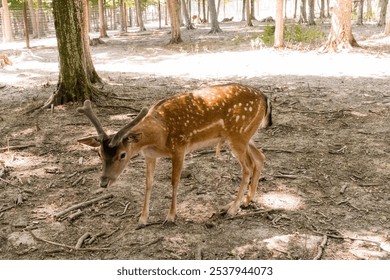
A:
67, 246
321, 248
78, 180
16, 147
81, 205
249, 214
8, 182
7, 208
82, 239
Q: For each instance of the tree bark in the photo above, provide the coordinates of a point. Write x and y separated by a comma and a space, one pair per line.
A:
102, 20
138, 11
360, 12
279, 41
33, 18
382, 13
187, 18
387, 27
340, 35
175, 22
77, 73
311, 13
248, 13
214, 18
7, 30
302, 9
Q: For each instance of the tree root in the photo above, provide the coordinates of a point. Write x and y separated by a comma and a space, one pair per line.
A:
68, 246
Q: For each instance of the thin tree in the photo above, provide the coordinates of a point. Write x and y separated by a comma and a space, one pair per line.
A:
175, 22
382, 13
360, 12
387, 27
311, 20
77, 73
302, 9
248, 13
102, 20
6, 19
33, 17
340, 35
138, 11
187, 18
279, 41
214, 18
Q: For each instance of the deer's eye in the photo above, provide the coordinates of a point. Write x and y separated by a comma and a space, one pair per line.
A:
122, 156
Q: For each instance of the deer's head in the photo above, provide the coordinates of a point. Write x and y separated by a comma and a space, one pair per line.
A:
114, 150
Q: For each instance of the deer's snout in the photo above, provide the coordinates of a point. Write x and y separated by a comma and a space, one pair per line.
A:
104, 182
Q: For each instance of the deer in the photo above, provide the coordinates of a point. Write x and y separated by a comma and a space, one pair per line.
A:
185, 122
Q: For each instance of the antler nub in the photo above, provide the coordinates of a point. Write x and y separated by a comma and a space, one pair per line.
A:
87, 110
125, 131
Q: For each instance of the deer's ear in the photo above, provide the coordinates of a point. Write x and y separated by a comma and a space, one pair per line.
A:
92, 141
134, 137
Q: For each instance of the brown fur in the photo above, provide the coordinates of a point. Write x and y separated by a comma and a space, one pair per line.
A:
185, 122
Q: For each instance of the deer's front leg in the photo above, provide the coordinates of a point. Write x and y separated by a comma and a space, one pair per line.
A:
177, 166
150, 168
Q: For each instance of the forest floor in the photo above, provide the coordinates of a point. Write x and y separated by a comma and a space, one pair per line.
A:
326, 173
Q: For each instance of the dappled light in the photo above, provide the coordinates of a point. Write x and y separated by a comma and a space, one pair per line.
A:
280, 200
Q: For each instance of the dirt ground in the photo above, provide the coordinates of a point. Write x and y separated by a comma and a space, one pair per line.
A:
323, 193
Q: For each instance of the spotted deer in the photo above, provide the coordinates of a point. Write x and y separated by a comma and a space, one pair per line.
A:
183, 123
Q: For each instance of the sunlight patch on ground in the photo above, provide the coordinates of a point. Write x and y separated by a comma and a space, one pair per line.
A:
280, 200
254, 63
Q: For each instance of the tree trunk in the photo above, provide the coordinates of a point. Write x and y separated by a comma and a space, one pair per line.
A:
7, 30
102, 20
138, 11
295, 9
33, 18
360, 12
279, 41
214, 18
382, 13
243, 11
302, 8
187, 18
77, 72
248, 13
340, 36
42, 21
311, 13
322, 9
175, 22
26, 32
387, 27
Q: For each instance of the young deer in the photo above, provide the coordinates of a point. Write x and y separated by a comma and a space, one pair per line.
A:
182, 123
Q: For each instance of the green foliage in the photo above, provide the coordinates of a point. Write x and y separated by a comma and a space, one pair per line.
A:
293, 34
268, 36
297, 34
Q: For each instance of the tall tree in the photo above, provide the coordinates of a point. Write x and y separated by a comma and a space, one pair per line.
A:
382, 14
302, 9
186, 14
77, 73
214, 18
175, 22
340, 35
248, 13
360, 12
387, 27
311, 20
279, 41
102, 20
138, 11
6, 20
33, 17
